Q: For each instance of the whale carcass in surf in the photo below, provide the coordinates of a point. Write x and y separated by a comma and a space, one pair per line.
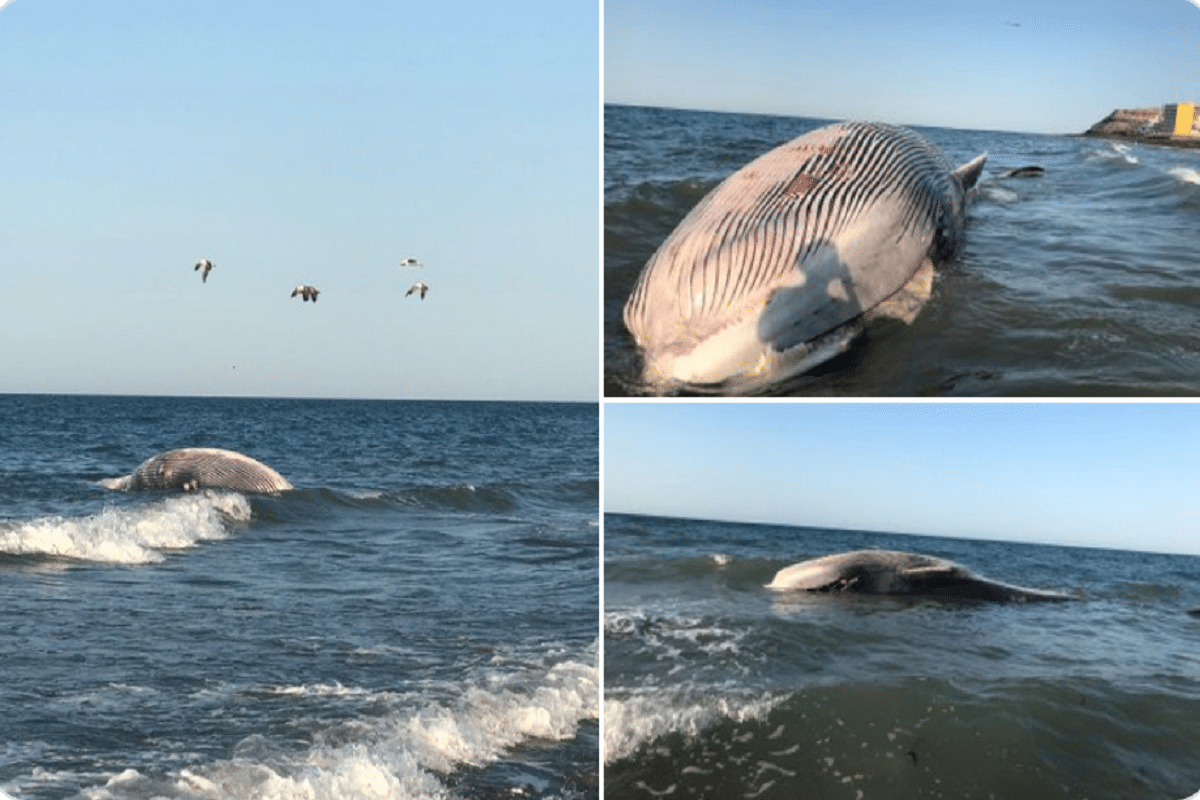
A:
896, 572
194, 468
777, 268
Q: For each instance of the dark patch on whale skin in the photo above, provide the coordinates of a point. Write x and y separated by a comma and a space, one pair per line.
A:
195, 468
894, 572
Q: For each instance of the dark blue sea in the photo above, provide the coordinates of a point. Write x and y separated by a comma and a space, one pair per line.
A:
1085, 281
417, 619
718, 688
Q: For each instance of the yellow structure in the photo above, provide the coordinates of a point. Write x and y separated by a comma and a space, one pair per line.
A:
1184, 114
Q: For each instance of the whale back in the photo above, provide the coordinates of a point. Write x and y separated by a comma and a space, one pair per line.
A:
194, 468
800, 241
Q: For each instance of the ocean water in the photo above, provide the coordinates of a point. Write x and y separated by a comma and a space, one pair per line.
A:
1085, 281
718, 688
417, 619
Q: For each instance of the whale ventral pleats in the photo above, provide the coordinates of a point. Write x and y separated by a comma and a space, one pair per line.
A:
800, 184
736, 299
191, 469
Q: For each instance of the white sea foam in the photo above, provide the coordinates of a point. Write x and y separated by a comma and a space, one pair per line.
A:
127, 535
399, 754
1117, 151
1122, 150
334, 689
670, 636
632, 721
998, 194
1185, 174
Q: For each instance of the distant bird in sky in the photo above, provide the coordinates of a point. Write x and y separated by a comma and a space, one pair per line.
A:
411, 262
205, 265
306, 292
417, 287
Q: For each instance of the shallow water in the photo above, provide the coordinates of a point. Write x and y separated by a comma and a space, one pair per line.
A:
417, 619
1080, 282
716, 687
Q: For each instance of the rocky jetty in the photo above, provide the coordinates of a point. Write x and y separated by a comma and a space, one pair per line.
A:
1147, 125
1127, 123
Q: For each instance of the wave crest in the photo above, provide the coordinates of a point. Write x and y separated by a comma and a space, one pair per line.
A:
127, 535
406, 753
1185, 175
634, 721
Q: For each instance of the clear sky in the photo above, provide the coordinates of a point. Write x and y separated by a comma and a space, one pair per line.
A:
300, 142
1114, 475
1044, 66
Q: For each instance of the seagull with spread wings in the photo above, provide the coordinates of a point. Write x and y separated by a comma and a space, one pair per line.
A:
306, 292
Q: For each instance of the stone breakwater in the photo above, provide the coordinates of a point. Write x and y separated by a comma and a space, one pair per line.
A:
1127, 122
1145, 125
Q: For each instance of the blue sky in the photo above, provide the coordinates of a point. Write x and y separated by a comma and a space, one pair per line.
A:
300, 142
1114, 475
1044, 66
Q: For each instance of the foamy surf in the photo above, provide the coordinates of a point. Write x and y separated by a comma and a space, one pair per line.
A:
998, 194
128, 535
1185, 175
631, 722
406, 752
1120, 151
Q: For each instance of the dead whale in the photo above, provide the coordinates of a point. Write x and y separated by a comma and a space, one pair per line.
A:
895, 572
777, 268
194, 468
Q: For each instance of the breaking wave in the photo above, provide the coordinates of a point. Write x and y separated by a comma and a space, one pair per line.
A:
127, 534
409, 751
1185, 175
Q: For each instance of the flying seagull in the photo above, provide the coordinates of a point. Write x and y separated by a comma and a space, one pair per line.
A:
411, 262
306, 292
417, 287
205, 265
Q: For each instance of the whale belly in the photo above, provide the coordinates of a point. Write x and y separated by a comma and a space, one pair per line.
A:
759, 278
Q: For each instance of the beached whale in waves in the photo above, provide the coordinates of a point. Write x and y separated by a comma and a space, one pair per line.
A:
900, 573
194, 468
778, 267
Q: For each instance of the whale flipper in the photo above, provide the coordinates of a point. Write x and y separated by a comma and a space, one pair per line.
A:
195, 468
968, 174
